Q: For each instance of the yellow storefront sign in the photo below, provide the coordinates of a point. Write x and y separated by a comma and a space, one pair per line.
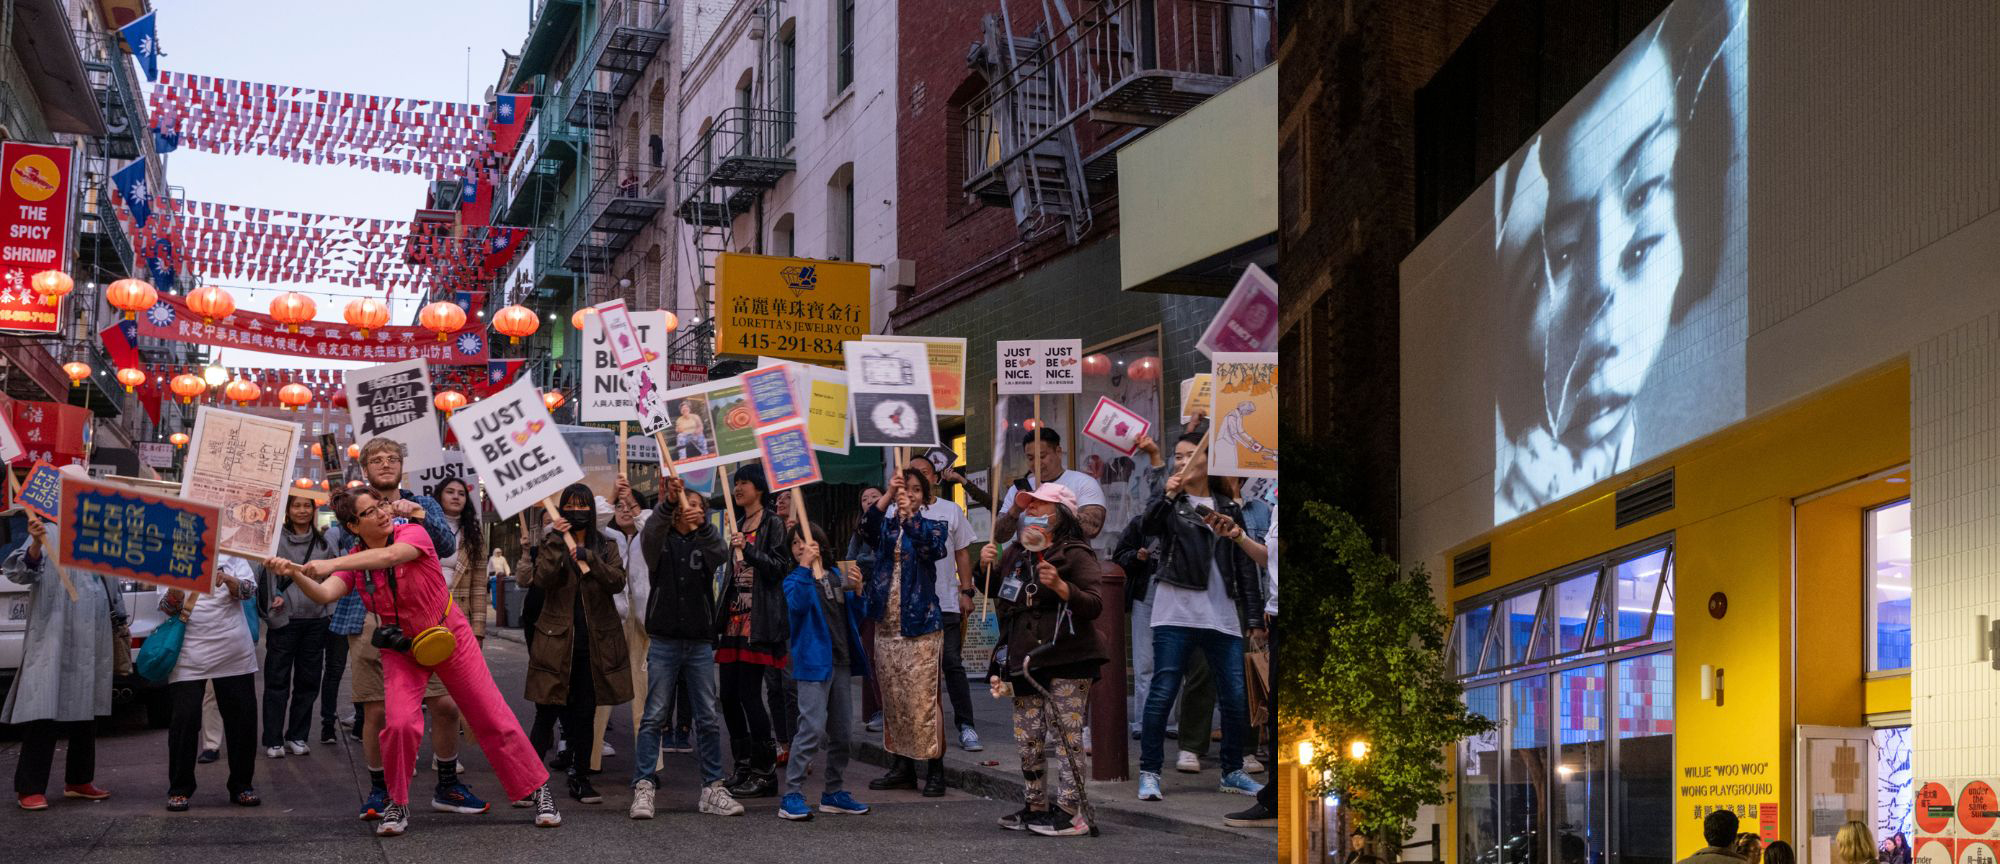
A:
795, 308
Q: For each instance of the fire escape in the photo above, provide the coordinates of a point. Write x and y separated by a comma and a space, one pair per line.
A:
1129, 63
616, 205
744, 152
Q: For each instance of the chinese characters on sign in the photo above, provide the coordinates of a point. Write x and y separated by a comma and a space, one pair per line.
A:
796, 308
137, 535
242, 464
511, 442
1039, 366
608, 393
171, 320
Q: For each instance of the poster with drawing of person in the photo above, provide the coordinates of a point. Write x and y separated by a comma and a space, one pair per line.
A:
1244, 439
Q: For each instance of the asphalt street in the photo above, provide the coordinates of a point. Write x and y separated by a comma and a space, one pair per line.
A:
310, 804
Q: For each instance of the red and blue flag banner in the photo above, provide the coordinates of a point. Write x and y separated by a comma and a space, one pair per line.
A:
121, 343
510, 119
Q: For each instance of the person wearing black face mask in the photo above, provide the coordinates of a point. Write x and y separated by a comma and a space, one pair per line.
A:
578, 659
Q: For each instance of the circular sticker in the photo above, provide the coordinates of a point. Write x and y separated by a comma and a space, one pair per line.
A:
1932, 852
35, 177
1976, 810
1975, 852
1934, 810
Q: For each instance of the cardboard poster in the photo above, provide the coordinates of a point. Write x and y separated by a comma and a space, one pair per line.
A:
1116, 425
712, 425
393, 401
1197, 394
242, 464
773, 399
510, 441
620, 336
893, 420
41, 493
826, 418
427, 481
12, 449
1039, 366
789, 459
142, 536
607, 391
947, 360
889, 394
1248, 320
1244, 441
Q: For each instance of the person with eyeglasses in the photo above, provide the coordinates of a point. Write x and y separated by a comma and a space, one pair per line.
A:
382, 468
395, 571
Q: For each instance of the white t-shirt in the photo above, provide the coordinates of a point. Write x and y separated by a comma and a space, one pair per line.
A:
961, 537
217, 641
1174, 606
1088, 493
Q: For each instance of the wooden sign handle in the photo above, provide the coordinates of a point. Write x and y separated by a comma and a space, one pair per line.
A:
728, 505
624, 462
805, 528
568, 538
666, 454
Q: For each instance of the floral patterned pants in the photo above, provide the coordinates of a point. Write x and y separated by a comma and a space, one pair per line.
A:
1032, 715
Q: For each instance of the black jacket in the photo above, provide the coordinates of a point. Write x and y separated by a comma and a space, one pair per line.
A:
1138, 571
770, 559
1025, 627
1188, 548
682, 568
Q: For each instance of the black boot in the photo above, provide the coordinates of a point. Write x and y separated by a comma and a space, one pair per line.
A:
902, 775
762, 781
739, 748
934, 779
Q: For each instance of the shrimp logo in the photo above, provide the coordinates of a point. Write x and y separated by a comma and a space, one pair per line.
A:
34, 177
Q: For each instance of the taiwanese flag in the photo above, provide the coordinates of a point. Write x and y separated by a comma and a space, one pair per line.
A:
499, 245
121, 342
499, 374
509, 120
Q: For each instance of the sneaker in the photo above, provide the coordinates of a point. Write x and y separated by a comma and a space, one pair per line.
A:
1251, 765
875, 722
607, 749
208, 756
275, 752
327, 735
175, 803
1240, 783
378, 801
86, 791
297, 748
545, 808
968, 740
524, 803
1258, 816
1061, 824
1019, 819
37, 802
680, 742
843, 803
642, 800
581, 790
457, 798
1188, 763
395, 820
716, 800
1149, 786
794, 808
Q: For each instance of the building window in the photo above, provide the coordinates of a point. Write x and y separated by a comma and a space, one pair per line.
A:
1889, 587
840, 214
843, 48
781, 237
788, 81
1121, 477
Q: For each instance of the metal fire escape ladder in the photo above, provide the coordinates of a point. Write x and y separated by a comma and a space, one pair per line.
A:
1042, 166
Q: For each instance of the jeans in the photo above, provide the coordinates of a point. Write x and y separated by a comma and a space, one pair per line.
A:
826, 722
668, 662
1142, 665
335, 666
236, 699
1171, 647
1197, 711
38, 754
955, 685
292, 667
1269, 795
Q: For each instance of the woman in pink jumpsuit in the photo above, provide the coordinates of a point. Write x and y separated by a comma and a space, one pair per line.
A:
398, 574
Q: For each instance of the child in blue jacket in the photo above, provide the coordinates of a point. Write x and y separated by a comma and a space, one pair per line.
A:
825, 650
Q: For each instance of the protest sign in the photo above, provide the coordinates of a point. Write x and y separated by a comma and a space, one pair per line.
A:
1116, 425
41, 493
788, 454
773, 399
156, 454
1244, 439
1248, 321
889, 394
393, 401
797, 308
427, 481
510, 441
330, 462
649, 399
1040, 366
620, 336
11, 448
826, 419
713, 425
1197, 394
606, 392
142, 536
242, 464
947, 362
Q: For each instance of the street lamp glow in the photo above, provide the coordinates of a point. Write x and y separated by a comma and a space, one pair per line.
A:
1357, 750
216, 376
1305, 752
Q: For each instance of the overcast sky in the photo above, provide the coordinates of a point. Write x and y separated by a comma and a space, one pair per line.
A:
415, 49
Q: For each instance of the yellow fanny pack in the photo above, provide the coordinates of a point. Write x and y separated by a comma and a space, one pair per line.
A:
436, 643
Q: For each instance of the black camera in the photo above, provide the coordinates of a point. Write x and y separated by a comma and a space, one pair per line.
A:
389, 637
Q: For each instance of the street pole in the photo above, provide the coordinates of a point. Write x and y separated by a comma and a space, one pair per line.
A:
1109, 724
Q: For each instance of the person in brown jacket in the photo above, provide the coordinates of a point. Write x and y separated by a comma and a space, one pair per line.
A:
578, 629
1048, 655
1719, 830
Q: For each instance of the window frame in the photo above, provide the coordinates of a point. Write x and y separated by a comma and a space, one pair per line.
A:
1494, 662
1869, 632
844, 38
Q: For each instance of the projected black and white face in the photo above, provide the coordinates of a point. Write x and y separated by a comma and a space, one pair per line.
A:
1601, 259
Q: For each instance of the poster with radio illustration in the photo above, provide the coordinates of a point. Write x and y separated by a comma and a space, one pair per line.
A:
890, 396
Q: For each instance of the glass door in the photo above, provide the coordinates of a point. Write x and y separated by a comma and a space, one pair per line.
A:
1836, 786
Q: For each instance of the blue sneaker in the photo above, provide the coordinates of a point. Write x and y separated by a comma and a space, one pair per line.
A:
843, 803
794, 808
456, 798
378, 801
1149, 786
1240, 783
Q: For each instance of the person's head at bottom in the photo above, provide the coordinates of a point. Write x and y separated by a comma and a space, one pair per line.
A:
1855, 844
1043, 447
1749, 847
1779, 852
364, 514
299, 512
1719, 829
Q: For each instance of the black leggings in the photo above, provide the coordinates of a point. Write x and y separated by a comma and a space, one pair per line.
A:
743, 701
38, 753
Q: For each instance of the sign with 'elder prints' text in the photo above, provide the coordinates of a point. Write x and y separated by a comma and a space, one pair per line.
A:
515, 448
393, 401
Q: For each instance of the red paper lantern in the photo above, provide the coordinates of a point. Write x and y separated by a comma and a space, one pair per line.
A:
442, 318
180, 439
516, 322
353, 484
1096, 365
339, 398
576, 320
187, 387
132, 296
292, 309
242, 391
303, 483
554, 399
673, 322
77, 371
52, 284
366, 314
1144, 369
449, 401
296, 396
353, 451
317, 452
211, 303
131, 378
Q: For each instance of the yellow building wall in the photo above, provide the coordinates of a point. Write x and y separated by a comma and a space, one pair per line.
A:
1887, 695
1733, 526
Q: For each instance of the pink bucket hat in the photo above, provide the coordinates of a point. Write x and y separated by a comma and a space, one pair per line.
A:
1054, 493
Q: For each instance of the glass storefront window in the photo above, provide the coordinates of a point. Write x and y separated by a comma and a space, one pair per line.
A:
1472, 626
1572, 612
1642, 782
1889, 587
1128, 373
1520, 610
1580, 769
1635, 588
1479, 782
1524, 781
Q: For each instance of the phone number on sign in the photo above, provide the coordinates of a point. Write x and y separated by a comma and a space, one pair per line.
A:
749, 342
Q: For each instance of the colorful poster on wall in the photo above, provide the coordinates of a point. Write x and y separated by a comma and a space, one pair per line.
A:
1934, 808
1116, 425
393, 401
142, 536
947, 360
890, 394
36, 200
1244, 439
511, 442
1248, 320
712, 425
1932, 850
796, 308
242, 464
1977, 808
789, 459
607, 391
